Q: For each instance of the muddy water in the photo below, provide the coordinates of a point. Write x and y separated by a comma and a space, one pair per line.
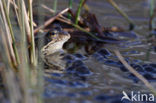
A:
107, 80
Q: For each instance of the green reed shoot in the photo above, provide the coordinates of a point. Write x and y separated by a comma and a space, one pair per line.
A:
122, 13
78, 12
151, 25
151, 7
70, 5
11, 33
55, 6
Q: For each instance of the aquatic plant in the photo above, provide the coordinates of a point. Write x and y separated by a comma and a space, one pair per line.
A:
19, 61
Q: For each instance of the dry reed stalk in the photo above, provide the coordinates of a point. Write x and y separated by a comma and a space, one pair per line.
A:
24, 71
121, 12
133, 71
45, 7
27, 26
4, 42
8, 6
9, 77
66, 20
25, 74
50, 20
9, 38
16, 11
32, 43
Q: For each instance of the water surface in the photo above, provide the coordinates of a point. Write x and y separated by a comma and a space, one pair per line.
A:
108, 78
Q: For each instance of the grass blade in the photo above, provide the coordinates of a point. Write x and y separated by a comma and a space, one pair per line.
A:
122, 13
78, 11
151, 21
70, 5
55, 6
11, 32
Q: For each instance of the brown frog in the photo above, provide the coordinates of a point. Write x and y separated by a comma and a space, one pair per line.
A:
52, 52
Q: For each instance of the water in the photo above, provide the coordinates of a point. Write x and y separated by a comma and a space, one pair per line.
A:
109, 78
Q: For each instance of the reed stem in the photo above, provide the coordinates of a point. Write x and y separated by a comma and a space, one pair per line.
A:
132, 70
151, 25
122, 13
24, 71
70, 5
70, 23
151, 7
50, 20
11, 32
78, 12
55, 6
32, 43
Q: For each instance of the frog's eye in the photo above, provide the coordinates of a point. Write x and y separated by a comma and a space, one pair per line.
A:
54, 34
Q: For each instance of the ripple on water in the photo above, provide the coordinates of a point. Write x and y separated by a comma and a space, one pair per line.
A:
66, 83
48, 93
56, 74
85, 93
57, 82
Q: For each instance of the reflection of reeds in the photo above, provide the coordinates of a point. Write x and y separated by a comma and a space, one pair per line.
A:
24, 60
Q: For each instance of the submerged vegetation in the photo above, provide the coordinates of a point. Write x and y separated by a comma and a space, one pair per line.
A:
22, 71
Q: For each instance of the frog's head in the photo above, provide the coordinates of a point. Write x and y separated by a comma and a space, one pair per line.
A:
56, 34
56, 38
